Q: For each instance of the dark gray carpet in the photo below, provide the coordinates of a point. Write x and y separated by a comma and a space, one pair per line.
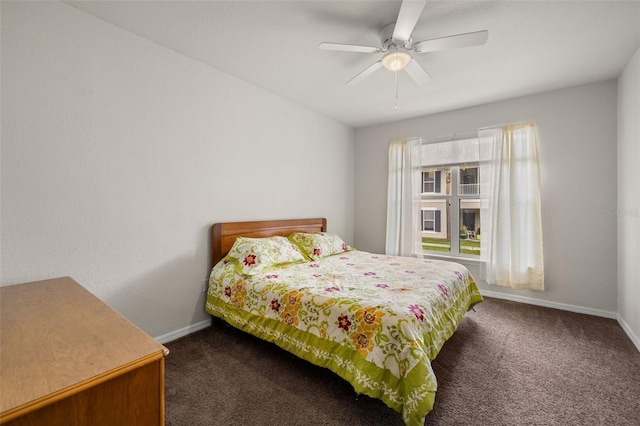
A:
508, 364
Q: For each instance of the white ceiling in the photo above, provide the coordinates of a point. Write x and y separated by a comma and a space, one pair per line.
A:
533, 46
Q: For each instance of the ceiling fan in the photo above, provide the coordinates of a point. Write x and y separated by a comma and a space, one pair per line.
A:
398, 47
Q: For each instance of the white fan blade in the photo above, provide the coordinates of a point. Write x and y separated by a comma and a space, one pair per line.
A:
349, 47
410, 12
364, 74
417, 73
461, 40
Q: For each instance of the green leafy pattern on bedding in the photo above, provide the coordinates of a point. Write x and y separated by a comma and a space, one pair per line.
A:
375, 320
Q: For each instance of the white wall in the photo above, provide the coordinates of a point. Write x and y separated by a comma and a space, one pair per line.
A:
118, 155
629, 197
577, 137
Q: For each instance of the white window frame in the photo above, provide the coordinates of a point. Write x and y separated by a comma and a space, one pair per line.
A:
425, 182
453, 200
433, 210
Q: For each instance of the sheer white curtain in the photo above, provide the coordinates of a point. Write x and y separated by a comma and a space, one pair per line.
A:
511, 223
403, 206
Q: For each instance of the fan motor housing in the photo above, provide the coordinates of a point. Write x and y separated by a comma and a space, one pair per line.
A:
387, 41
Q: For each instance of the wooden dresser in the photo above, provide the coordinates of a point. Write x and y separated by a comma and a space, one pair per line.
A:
66, 358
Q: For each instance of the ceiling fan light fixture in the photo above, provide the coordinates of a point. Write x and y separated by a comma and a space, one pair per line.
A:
396, 61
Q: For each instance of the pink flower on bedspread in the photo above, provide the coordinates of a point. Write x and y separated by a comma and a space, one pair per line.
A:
344, 258
317, 251
410, 272
458, 274
344, 247
382, 285
331, 289
250, 260
417, 311
344, 323
369, 274
394, 264
443, 289
227, 291
271, 276
314, 265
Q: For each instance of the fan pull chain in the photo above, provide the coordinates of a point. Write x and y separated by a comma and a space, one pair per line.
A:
396, 78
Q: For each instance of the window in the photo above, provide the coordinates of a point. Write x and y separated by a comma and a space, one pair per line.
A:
431, 220
434, 193
431, 182
469, 182
451, 190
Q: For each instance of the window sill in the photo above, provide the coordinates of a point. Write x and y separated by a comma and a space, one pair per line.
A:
467, 261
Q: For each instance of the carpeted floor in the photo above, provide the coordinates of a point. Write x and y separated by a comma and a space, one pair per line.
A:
508, 364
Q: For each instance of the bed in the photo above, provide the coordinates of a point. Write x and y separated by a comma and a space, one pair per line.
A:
377, 321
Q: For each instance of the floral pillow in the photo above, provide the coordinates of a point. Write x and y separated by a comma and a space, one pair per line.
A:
254, 255
319, 245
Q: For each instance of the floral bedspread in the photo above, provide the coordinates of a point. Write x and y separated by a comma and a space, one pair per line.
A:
375, 320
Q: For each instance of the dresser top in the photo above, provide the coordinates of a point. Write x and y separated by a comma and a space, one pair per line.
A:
55, 335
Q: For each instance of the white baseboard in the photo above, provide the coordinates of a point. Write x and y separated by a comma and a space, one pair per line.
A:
549, 304
567, 307
165, 338
629, 332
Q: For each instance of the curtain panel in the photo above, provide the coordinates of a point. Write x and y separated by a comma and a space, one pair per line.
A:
403, 199
511, 219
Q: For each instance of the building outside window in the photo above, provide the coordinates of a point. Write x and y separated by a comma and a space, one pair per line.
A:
450, 193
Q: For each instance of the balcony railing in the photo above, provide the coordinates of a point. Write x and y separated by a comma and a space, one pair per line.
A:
469, 189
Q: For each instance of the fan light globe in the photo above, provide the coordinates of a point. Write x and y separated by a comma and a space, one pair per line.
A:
395, 61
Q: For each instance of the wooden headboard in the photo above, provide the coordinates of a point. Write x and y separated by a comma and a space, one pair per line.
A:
223, 235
